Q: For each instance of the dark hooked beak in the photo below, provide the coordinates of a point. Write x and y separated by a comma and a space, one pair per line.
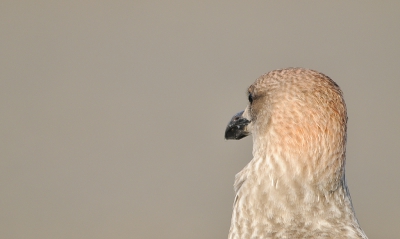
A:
236, 128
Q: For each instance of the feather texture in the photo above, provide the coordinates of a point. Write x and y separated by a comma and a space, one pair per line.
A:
295, 186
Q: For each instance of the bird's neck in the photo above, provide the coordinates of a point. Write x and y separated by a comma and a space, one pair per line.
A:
270, 191
274, 181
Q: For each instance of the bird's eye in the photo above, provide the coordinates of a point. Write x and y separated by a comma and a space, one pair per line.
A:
250, 98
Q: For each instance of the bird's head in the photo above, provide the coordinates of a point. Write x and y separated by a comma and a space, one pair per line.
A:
295, 114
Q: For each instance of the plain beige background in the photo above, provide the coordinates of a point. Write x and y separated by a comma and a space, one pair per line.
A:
113, 112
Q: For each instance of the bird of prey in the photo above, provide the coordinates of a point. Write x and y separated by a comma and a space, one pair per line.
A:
295, 185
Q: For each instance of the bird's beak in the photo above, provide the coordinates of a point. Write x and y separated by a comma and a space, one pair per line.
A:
237, 127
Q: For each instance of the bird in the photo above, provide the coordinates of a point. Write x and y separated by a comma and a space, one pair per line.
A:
295, 184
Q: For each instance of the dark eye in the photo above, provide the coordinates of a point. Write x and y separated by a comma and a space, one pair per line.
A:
250, 98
